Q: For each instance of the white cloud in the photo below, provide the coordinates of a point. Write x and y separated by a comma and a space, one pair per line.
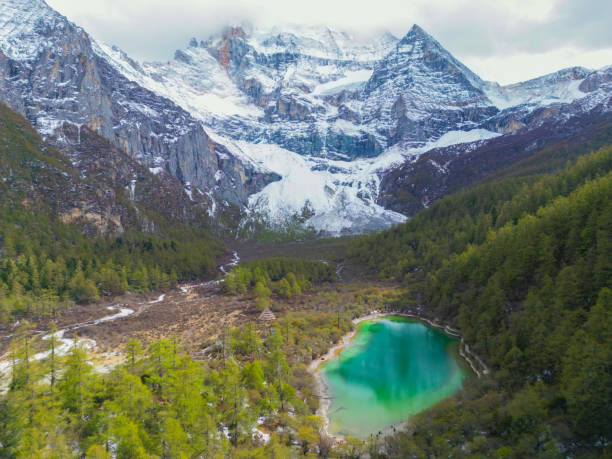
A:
503, 40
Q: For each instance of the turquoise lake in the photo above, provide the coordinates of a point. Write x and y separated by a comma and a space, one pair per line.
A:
392, 369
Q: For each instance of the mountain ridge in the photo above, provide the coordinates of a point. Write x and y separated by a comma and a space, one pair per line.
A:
229, 114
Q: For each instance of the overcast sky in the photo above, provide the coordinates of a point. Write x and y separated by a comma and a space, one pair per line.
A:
501, 40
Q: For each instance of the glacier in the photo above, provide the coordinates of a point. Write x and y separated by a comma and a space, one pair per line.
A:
341, 194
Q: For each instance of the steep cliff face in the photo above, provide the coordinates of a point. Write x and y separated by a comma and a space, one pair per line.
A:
50, 73
80, 177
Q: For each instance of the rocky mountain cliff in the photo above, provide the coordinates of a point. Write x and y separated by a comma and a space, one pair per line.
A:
50, 73
293, 123
89, 181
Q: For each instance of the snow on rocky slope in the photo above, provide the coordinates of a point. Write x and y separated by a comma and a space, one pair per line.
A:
280, 85
559, 87
50, 73
331, 114
296, 120
341, 196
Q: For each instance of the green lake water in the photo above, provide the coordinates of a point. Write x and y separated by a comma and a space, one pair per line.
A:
394, 368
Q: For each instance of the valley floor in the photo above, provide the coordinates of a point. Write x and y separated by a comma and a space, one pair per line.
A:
195, 314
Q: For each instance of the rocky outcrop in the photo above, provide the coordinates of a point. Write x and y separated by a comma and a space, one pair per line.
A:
290, 108
230, 49
132, 187
596, 80
236, 180
80, 177
63, 79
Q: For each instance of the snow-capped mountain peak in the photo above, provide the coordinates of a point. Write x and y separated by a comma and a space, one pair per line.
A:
289, 121
562, 86
25, 25
419, 44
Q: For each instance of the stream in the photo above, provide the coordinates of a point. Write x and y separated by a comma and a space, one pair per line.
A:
64, 345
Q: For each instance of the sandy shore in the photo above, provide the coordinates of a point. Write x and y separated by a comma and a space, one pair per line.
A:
344, 342
323, 389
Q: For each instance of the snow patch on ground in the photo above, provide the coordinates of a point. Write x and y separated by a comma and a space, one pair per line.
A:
350, 82
65, 345
232, 264
123, 312
457, 137
189, 191
262, 436
159, 299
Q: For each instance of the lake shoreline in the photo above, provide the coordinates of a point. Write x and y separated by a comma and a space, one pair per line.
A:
323, 389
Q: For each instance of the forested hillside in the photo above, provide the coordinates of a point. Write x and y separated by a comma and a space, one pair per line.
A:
466, 218
524, 269
66, 236
253, 398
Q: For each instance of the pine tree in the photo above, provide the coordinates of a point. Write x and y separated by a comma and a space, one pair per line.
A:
82, 289
52, 340
75, 386
134, 349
